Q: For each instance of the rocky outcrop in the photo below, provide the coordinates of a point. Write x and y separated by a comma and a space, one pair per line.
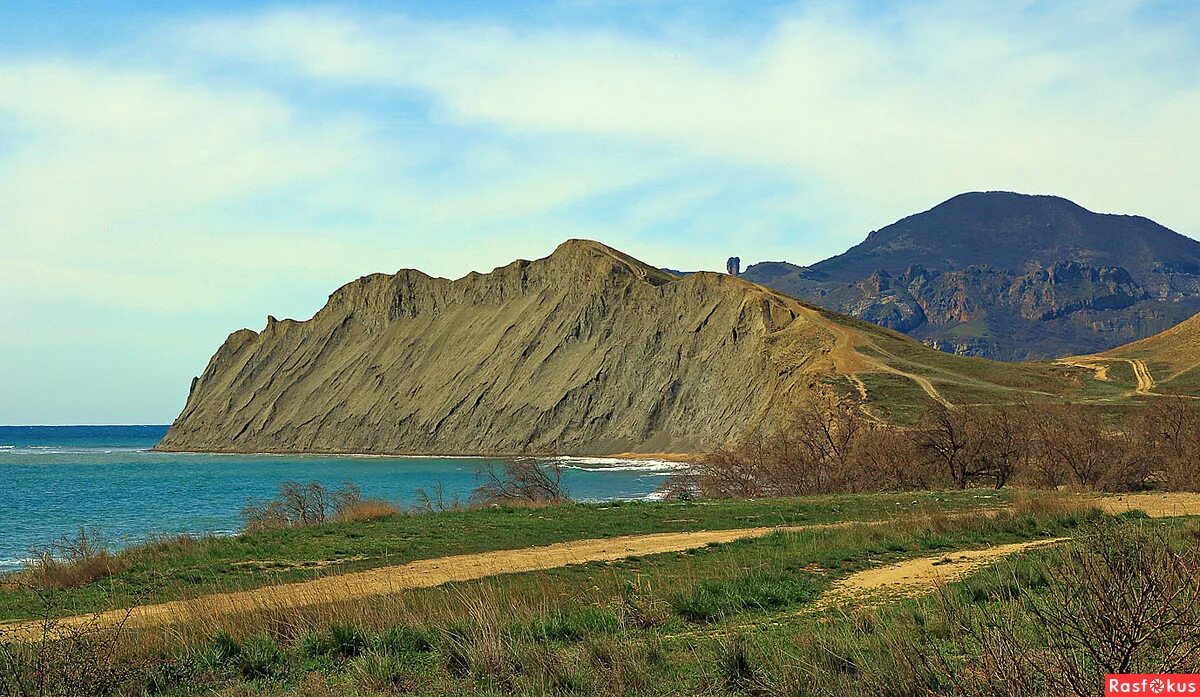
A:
1009, 277
585, 351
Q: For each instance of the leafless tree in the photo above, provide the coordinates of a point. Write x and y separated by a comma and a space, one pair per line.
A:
520, 481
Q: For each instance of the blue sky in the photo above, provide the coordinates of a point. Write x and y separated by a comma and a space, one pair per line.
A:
170, 172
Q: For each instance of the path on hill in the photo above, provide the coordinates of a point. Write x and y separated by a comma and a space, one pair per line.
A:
1141, 372
1100, 369
1145, 381
848, 361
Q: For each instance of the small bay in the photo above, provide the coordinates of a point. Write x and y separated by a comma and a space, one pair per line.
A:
56, 479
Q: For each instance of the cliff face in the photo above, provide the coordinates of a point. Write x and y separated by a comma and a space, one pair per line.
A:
585, 351
1009, 277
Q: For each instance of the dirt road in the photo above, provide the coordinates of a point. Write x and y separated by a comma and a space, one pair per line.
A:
917, 576
390, 579
1141, 372
1145, 381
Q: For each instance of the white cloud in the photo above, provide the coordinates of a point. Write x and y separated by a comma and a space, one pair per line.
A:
887, 114
155, 197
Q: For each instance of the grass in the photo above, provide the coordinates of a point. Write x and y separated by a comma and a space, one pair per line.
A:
703, 621
186, 567
736, 618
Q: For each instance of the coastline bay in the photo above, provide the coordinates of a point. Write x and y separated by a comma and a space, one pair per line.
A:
58, 479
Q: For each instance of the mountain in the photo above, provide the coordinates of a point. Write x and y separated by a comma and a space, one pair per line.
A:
1008, 276
587, 351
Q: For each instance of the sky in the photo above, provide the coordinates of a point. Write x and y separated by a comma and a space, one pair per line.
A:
171, 172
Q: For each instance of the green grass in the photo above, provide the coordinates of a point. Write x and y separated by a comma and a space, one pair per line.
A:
656, 625
725, 619
189, 569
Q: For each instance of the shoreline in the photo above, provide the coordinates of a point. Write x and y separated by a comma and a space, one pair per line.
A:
684, 458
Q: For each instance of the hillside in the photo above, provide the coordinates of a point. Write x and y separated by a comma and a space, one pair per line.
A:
584, 351
1008, 276
1168, 362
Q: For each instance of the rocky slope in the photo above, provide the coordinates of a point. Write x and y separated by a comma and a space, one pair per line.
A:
1008, 276
585, 351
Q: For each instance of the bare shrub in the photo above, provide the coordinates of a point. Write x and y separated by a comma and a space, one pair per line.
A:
888, 459
434, 500
1168, 431
67, 658
1122, 600
299, 504
1077, 446
72, 562
827, 444
991, 444
520, 481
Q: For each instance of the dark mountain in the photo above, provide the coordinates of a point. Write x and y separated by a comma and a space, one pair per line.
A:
1008, 276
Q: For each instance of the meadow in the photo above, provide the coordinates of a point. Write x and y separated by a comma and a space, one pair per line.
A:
792, 611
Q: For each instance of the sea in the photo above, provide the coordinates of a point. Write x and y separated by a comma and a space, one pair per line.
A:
55, 480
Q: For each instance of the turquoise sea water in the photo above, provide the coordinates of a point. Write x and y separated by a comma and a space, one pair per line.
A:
56, 479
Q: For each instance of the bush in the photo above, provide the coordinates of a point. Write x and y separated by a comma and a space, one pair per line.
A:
405, 640
520, 481
1122, 600
367, 510
309, 504
72, 562
260, 657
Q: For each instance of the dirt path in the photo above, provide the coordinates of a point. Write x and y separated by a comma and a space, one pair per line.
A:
917, 576
850, 362
1100, 369
1141, 372
912, 577
390, 579
1145, 381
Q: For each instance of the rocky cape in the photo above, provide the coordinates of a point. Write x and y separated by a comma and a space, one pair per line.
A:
587, 351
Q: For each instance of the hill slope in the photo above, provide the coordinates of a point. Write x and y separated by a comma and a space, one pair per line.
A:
1169, 362
1008, 276
585, 351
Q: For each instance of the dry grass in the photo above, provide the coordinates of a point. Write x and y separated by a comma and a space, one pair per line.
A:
1052, 504
71, 562
368, 509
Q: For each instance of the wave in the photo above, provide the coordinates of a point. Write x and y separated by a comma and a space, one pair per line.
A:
617, 464
56, 450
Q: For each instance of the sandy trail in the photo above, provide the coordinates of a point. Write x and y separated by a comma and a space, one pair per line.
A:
1100, 369
850, 362
390, 579
1145, 381
917, 576
1141, 372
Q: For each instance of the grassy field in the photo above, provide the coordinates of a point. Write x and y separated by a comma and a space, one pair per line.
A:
187, 568
748, 617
